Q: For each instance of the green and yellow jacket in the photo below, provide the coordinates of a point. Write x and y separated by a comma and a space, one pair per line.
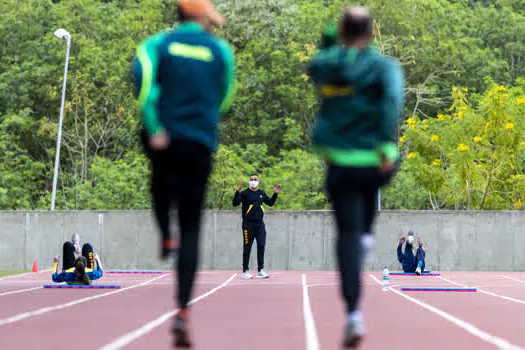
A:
362, 97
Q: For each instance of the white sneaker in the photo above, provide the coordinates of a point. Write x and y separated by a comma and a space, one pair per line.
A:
75, 239
247, 275
354, 331
262, 274
418, 271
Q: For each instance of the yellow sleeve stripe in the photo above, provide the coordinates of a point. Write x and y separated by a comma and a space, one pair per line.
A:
73, 270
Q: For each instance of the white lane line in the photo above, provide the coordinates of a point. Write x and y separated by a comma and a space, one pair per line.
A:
322, 284
453, 282
19, 291
11, 276
148, 327
312, 341
514, 279
23, 274
519, 301
495, 285
489, 338
25, 315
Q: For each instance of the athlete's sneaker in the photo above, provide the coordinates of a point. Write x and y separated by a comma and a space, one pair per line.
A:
247, 275
418, 271
262, 274
354, 332
180, 332
75, 239
168, 249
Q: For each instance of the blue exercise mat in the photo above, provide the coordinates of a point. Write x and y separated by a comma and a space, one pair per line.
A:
82, 286
138, 272
426, 273
437, 289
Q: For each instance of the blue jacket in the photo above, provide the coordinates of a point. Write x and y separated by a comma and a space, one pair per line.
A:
70, 276
408, 260
184, 81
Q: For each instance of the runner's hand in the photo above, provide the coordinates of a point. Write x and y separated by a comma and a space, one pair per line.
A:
277, 189
56, 259
387, 166
402, 240
240, 188
160, 141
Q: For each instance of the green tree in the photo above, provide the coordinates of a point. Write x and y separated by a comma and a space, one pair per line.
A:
441, 44
472, 157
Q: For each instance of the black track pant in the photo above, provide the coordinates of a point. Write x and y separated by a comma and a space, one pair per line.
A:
250, 231
352, 192
179, 176
68, 255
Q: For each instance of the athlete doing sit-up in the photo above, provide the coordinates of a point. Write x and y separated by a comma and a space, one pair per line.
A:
77, 269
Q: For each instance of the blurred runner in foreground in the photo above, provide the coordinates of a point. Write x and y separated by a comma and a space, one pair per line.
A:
186, 80
362, 97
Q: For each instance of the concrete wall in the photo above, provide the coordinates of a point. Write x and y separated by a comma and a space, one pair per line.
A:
299, 240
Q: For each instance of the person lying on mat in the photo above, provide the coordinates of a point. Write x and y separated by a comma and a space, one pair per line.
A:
411, 260
79, 273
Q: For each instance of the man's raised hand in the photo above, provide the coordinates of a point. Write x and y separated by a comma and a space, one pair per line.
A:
277, 189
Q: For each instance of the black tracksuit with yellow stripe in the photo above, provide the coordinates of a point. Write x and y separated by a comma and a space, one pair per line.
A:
252, 222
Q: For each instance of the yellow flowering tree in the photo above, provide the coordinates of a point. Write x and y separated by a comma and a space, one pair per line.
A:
474, 156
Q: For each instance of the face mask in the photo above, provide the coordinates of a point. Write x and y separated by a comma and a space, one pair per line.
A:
410, 239
254, 184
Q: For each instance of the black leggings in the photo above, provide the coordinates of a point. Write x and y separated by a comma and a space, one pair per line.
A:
68, 255
253, 230
179, 176
353, 193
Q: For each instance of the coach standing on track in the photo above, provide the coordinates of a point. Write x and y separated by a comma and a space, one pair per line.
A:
186, 79
362, 95
253, 226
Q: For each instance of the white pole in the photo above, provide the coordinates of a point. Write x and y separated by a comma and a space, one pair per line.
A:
379, 200
59, 136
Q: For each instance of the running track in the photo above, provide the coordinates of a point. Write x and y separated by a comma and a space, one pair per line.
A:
291, 310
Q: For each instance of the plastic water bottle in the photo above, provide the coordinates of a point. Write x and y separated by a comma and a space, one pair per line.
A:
386, 279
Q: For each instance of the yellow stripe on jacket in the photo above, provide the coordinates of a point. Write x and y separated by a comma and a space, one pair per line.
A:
73, 270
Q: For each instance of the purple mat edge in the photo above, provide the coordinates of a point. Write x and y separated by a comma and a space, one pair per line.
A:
91, 286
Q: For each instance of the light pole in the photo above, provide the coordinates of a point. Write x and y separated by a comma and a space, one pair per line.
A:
61, 34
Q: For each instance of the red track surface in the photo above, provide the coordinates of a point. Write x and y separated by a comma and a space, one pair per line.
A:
265, 314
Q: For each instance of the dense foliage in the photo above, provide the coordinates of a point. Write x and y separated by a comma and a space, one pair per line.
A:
461, 134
